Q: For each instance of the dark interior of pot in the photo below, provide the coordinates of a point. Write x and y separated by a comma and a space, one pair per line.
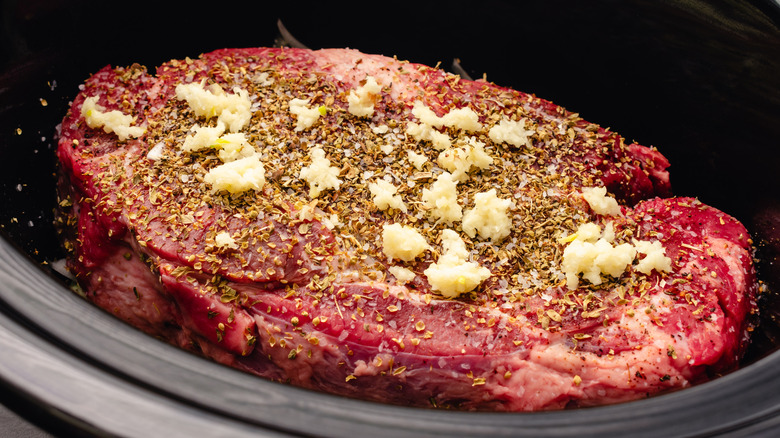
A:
698, 80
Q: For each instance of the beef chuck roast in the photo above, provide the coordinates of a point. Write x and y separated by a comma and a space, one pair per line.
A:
297, 286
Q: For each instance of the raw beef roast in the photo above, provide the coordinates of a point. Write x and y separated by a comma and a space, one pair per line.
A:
383, 230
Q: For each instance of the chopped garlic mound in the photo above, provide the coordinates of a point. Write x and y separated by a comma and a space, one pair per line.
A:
233, 110
403, 275
235, 120
459, 161
320, 174
462, 118
588, 232
594, 259
426, 116
237, 176
477, 155
111, 121
489, 217
225, 240
592, 254
306, 116
600, 202
361, 100
402, 242
233, 147
385, 197
510, 131
609, 232
204, 137
424, 132
417, 160
655, 257
442, 199
452, 275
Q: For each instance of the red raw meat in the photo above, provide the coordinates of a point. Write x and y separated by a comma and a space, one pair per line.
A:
305, 297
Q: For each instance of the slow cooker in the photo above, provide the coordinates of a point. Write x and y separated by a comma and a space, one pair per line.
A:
699, 80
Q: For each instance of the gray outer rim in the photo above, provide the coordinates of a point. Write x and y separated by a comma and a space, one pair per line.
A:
82, 365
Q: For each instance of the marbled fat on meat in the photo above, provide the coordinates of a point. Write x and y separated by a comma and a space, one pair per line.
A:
304, 295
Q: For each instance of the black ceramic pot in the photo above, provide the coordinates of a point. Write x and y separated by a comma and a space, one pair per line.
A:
699, 80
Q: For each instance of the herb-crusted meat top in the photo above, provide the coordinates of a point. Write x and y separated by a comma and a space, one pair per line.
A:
286, 269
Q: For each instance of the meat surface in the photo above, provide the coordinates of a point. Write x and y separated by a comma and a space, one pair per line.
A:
295, 282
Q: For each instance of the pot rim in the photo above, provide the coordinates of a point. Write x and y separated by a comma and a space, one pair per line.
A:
146, 386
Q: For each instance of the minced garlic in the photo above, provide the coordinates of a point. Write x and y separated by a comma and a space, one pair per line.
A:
233, 110
427, 129
452, 275
600, 202
233, 147
489, 217
587, 232
225, 240
462, 118
609, 232
592, 259
460, 160
111, 121
417, 160
237, 176
591, 255
402, 242
306, 116
385, 197
590, 252
426, 116
361, 100
320, 174
442, 199
204, 137
511, 131
424, 132
401, 274
655, 257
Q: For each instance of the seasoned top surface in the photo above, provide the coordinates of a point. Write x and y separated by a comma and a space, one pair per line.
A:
322, 257
541, 179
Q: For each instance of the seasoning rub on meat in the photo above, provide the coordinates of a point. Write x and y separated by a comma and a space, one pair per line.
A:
383, 230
